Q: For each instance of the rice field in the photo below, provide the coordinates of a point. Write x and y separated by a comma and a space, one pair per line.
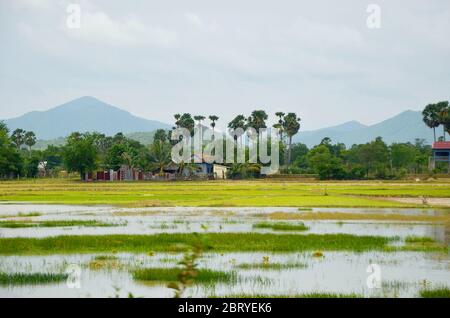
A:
223, 193
223, 239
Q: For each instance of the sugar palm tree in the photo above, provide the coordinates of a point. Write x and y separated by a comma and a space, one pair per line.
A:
30, 140
443, 115
18, 137
431, 116
236, 123
279, 125
213, 119
177, 120
291, 127
257, 119
199, 118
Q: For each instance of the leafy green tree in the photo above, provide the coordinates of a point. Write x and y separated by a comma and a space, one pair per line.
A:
11, 163
403, 155
160, 155
373, 156
161, 135
31, 167
53, 155
3, 127
322, 162
299, 152
80, 154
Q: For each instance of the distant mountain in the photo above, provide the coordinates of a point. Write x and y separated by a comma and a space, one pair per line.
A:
406, 126
82, 114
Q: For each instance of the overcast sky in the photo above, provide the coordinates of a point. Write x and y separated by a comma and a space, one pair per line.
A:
156, 58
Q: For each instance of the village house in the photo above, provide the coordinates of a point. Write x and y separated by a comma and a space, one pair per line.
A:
440, 153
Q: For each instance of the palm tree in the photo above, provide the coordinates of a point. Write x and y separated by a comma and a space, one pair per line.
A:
236, 123
18, 137
177, 120
291, 127
213, 119
30, 140
200, 118
279, 125
257, 119
160, 155
431, 116
443, 114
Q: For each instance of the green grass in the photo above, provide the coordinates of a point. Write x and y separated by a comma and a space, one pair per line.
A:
21, 215
418, 239
109, 262
281, 226
105, 258
220, 193
306, 295
171, 275
56, 223
345, 216
8, 279
177, 242
271, 266
442, 292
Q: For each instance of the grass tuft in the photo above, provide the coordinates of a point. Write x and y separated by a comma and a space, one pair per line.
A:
219, 242
271, 266
108, 262
171, 275
281, 226
55, 223
435, 293
418, 239
9, 279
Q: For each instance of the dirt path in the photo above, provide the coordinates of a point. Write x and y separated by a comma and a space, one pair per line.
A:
431, 201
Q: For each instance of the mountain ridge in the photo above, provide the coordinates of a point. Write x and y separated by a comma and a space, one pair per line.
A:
90, 114
82, 114
404, 127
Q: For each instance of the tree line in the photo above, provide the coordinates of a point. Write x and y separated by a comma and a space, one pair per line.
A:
91, 151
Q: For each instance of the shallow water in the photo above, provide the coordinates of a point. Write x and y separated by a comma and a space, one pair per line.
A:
336, 272
403, 274
184, 220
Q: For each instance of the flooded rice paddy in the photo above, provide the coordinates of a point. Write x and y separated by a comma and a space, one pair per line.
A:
399, 274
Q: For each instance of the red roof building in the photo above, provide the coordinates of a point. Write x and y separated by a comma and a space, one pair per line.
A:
441, 145
440, 153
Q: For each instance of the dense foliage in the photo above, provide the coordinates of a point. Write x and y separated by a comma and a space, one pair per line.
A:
87, 152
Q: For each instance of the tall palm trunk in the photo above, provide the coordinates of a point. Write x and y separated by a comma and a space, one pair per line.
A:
434, 133
289, 151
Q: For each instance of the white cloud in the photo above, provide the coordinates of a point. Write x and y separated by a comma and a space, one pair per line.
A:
99, 28
194, 19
